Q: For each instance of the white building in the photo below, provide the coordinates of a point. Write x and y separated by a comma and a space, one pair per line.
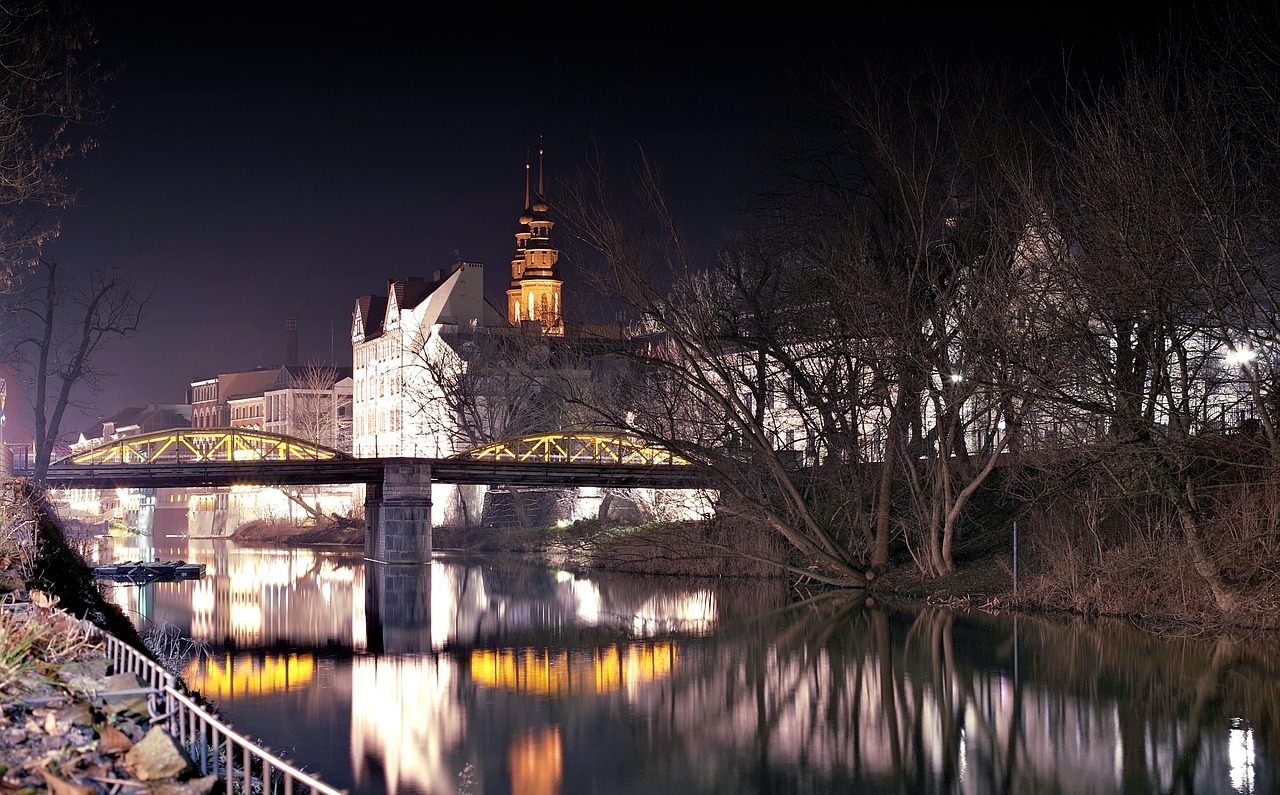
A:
389, 333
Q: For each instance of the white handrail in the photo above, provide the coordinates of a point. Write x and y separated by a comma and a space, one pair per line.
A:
213, 746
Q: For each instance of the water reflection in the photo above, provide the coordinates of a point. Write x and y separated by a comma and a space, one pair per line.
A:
247, 675
406, 722
467, 676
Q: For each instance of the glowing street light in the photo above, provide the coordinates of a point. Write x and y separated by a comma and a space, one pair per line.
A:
1240, 357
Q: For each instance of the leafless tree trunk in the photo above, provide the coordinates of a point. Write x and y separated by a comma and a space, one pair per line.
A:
704, 367
63, 348
908, 212
311, 414
1147, 327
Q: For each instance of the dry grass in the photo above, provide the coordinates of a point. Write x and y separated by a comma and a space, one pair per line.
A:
17, 531
715, 548
33, 641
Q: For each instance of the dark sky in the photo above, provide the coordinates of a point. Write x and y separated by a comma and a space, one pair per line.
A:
259, 163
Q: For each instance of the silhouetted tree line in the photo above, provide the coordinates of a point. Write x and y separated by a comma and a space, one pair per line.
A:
961, 302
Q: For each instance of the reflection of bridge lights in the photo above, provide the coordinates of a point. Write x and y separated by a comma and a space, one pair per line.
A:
536, 762
406, 720
557, 674
202, 599
246, 676
586, 600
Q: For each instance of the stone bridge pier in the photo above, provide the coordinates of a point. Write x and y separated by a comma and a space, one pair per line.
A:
397, 514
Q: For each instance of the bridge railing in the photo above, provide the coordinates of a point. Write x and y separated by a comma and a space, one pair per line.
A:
574, 448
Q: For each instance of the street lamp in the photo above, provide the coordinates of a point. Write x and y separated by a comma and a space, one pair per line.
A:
1240, 357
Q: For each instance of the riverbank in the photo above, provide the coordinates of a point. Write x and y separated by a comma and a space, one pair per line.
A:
69, 724
1150, 586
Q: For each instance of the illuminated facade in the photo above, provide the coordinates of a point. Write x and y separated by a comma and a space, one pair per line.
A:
394, 412
534, 294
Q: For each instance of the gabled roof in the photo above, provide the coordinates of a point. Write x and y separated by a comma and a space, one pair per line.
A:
232, 386
367, 317
453, 297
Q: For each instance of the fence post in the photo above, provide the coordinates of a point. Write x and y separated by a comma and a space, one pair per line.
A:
1015, 557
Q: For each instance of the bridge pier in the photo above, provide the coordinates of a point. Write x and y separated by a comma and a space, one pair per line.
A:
397, 514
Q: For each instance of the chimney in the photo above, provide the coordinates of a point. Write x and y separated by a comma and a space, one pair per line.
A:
291, 340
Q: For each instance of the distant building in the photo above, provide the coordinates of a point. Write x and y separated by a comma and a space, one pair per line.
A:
387, 333
311, 402
135, 421
211, 398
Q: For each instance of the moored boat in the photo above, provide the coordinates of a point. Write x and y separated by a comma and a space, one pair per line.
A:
142, 571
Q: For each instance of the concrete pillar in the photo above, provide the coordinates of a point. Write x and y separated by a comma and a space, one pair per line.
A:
398, 515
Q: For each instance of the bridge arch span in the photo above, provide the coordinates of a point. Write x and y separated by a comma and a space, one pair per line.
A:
202, 445
574, 448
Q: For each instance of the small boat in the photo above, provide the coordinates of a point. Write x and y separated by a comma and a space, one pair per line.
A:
141, 571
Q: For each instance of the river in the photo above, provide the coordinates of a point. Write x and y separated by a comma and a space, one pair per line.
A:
493, 676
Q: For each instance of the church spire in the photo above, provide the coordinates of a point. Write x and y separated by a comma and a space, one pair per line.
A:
534, 293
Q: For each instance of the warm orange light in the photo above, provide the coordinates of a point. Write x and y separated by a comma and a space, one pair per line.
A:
562, 673
536, 763
246, 676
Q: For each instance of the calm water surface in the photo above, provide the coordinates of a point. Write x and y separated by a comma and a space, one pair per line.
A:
485, 676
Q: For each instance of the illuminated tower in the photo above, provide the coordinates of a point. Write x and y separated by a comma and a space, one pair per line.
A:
534, 293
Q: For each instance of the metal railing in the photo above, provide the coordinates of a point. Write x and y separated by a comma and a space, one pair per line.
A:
244, 767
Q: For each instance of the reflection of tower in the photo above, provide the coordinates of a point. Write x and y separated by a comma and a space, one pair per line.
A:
397, 606
291, 339
534, 294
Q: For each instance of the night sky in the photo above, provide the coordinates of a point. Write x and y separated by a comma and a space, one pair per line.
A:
259, 163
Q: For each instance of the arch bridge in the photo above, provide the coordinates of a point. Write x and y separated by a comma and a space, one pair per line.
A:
200, 446
397, 490
564, 447
196, 457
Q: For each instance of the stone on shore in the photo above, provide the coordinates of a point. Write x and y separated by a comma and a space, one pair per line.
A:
157, 756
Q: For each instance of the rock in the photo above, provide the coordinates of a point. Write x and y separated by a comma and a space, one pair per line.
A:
84, 676
136, 704
195, 786
156, 757
61, 721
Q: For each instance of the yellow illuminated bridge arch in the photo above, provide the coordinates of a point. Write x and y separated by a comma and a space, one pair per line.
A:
202, 446
573, 448
229, 445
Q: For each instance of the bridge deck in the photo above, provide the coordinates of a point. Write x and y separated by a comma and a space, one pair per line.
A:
370, 470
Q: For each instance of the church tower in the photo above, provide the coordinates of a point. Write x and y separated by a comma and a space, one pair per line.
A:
534, 293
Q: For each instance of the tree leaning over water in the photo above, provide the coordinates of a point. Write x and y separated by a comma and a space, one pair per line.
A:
844, 368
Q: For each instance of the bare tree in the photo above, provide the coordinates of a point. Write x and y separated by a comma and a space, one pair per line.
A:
700, 382
476, 386
49, 103
927, 197
1155, 266
311, 412
64, 329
